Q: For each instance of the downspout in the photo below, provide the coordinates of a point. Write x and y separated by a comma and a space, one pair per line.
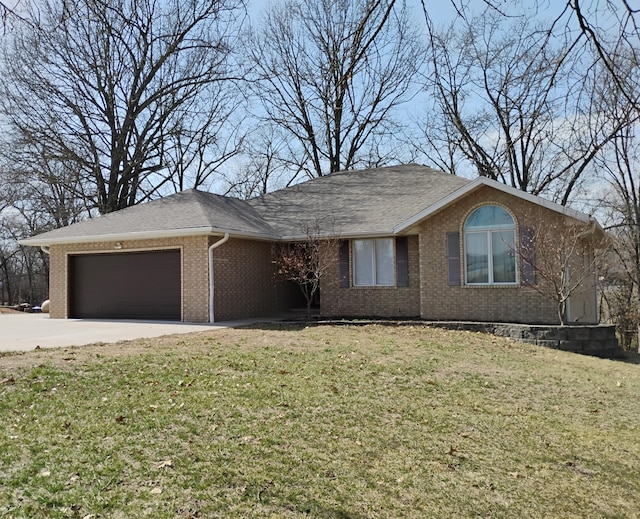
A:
46, 249
211, 247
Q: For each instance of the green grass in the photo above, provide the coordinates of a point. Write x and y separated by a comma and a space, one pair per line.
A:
329, 422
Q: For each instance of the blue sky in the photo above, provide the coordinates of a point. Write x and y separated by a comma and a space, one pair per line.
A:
439, 9
443, 11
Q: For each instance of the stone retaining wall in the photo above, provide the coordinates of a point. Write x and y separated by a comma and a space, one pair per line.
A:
599, 340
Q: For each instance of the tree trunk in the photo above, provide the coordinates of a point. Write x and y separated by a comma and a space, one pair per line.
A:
309, 301
562, 312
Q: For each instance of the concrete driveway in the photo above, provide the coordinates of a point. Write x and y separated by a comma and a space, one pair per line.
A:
23, 332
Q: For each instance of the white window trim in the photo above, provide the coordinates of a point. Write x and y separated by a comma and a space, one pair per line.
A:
488, 231
373, 263
490, 282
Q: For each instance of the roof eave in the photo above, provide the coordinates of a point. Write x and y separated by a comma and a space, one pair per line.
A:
141, 235
333, 235
478, 183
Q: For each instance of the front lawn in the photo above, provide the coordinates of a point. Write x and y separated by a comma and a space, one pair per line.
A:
327, 422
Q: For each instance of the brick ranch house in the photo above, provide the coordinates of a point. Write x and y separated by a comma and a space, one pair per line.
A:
413, 242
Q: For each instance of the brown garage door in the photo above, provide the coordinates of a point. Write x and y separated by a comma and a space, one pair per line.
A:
133, 285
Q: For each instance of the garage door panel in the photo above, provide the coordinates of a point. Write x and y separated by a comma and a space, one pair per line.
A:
142, 285
127, 311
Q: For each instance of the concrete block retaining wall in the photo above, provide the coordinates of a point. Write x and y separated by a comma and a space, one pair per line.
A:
599, 340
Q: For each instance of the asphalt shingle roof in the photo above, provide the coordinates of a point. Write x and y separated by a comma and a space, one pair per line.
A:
188, 210
353, 203
350, 203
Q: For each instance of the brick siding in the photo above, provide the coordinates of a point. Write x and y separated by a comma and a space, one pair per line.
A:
244, 281
245, 285
429, 294
372, 301
195, 291
518, 304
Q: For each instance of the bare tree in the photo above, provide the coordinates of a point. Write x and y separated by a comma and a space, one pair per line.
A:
121, 92
512, 100
262, 169
620, 167
202, 147
9, 14
559, 258
8, 270
44, 187
24, 271
618, 286
331, 74
305, 262
616, 41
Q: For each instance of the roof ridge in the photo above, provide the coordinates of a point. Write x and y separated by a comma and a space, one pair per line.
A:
345, 172
374, 202
201, 207
249, 211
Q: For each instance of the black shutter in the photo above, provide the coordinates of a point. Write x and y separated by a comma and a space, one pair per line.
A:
527, 256
343, 260
402, 261
453, 257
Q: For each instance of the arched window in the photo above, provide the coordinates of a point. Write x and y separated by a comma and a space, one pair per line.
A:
490, 246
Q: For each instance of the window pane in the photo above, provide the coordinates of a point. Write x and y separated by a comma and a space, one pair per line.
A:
363, 262
504, 258
489, 216
384, 262
477, 256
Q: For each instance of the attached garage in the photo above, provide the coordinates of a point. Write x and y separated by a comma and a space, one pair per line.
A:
127, 285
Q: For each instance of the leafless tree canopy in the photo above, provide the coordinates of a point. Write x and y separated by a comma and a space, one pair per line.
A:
330, 73
613, 31
619, 171
262, 168
9, 14
127, 94
613, 28
518, 101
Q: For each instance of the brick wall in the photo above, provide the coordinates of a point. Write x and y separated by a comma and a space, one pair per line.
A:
372, 301
244, 281
476, 303
243, 276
